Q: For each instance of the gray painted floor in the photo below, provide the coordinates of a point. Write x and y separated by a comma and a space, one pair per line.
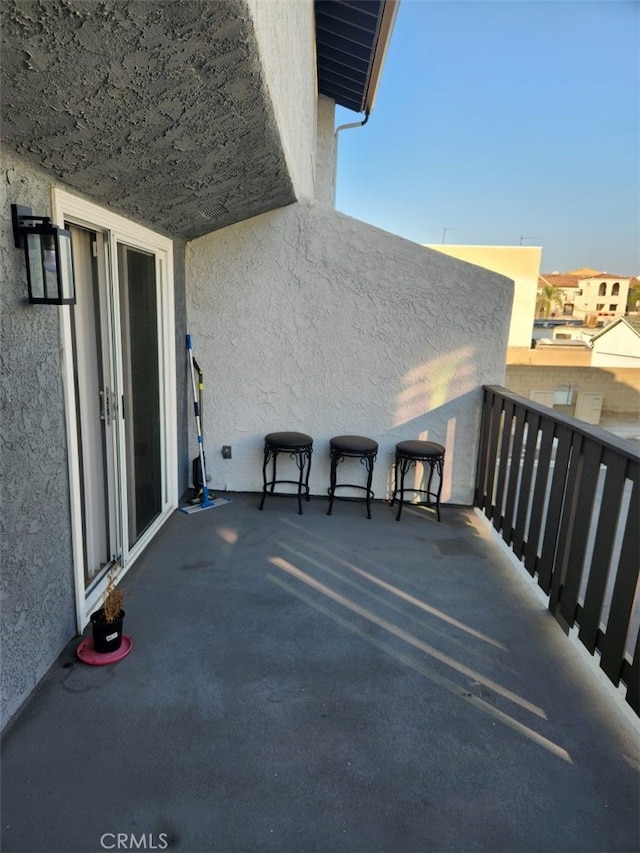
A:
314, 683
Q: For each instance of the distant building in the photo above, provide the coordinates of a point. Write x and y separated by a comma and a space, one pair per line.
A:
618, 344
589, 295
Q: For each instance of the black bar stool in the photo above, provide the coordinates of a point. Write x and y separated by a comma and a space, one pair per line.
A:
299, 447
359, 447
408, 454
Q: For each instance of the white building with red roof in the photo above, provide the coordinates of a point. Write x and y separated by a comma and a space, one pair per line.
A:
588, 293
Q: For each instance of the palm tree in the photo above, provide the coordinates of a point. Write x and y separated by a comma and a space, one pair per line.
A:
548, 297
633, 299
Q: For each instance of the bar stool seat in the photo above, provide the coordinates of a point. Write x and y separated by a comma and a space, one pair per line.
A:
358, 447
408, 454
299, 446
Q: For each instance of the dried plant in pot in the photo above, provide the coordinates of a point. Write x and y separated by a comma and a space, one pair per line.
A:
107, 621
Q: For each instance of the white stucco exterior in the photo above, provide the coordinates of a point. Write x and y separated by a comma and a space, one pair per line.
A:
304, 319
618, 345
285, 32
325, 189
604, 295
519, 263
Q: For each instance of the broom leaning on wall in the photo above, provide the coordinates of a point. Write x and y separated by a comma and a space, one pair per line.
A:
207, 501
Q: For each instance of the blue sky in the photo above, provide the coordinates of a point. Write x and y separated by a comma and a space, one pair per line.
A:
502, 121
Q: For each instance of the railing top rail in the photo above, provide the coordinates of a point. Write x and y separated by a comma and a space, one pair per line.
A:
608, 439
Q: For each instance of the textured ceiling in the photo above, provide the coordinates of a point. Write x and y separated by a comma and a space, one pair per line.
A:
155, 108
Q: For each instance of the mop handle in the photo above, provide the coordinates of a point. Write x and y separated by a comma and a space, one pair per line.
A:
200, 381
196, 410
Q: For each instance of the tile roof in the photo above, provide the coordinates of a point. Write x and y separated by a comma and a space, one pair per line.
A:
564, 280
561, 281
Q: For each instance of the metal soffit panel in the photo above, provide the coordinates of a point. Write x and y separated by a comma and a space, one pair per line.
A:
347, 39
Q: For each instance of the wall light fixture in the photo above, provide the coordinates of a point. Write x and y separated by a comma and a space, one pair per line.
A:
47, 252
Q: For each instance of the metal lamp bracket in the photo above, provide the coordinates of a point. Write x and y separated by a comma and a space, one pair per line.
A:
20, 215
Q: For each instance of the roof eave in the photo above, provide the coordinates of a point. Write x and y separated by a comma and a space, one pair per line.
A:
387, 21
352, 39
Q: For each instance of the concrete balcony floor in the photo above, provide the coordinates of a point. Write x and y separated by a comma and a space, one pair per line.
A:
313, 683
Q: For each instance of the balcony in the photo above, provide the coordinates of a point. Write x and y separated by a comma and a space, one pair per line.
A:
332, 683
565, 498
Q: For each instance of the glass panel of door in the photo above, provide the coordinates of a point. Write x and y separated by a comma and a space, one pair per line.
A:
141, 387
115, 332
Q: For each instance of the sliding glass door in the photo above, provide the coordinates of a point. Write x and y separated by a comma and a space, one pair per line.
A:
141, 388
96, 402
120, 363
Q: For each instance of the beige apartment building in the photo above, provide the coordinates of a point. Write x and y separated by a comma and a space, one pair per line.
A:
589, 294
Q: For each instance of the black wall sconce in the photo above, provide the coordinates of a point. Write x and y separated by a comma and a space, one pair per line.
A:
47, 252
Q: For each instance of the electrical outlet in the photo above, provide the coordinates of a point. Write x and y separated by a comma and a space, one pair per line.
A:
226, 451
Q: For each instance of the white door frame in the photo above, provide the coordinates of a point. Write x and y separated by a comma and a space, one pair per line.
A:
70, 208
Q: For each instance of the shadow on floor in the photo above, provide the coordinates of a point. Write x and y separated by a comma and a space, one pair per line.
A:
313, 683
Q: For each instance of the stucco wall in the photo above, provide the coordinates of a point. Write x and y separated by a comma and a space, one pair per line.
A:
304, 319
290, 75
37, 606
325, 189
37, 615
519, 263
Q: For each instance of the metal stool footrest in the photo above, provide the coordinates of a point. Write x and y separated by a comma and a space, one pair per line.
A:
408, 454
343, 447
299, 447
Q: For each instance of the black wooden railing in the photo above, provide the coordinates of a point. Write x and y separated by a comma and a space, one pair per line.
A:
565, 497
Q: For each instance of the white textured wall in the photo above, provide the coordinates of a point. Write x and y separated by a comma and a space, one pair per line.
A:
285, 31
519, 263
37, 615
37, 610
325, 190
304, 319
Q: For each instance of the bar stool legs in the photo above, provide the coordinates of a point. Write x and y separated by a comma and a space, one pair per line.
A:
299, 446
408, 454
351, 446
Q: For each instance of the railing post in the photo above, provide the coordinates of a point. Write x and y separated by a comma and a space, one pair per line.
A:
547, 496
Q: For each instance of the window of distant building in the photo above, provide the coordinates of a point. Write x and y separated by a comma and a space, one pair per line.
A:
579, 292
615, 290
603, 289
600, 307
613, 307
